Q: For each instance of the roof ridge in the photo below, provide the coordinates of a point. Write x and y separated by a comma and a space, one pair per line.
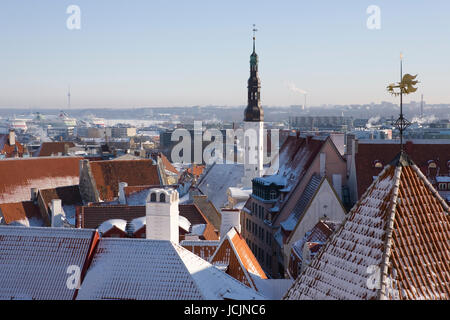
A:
389, 228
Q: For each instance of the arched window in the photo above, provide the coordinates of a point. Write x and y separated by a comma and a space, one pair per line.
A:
273, 194
162, 197
432, 164
377, 164
153, 197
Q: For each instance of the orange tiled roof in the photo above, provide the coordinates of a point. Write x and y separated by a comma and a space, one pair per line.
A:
108, 174
48, 149
196, 170
242, 265
19, 175
19, 211
400, 226
10, 150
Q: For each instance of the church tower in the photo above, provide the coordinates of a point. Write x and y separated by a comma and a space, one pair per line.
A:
253, 124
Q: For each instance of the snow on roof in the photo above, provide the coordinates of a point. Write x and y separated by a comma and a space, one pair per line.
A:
109, 224
218, 179
34, 261
300, 207
394, 228
272, 179
138, 223
20, 175
198, 229
442, 179
184, 223
155, 270
240, 192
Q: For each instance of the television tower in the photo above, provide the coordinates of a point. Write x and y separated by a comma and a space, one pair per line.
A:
68, 98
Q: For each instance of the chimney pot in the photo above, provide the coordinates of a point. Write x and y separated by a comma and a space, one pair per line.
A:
231, 218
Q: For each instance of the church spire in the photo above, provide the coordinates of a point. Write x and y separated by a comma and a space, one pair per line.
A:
254, 112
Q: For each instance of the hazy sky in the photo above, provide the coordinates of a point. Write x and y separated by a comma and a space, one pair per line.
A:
196, 52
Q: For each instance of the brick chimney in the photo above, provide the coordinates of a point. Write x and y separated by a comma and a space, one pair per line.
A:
162, 215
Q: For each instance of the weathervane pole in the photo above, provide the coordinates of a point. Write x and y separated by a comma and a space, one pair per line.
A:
401, 103
405, 86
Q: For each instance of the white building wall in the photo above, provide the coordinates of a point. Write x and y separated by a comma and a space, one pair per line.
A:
253, 161
325, 205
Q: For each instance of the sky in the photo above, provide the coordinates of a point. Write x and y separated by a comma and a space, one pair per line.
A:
179, 53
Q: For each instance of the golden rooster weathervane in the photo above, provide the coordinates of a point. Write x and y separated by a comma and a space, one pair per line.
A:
404, 87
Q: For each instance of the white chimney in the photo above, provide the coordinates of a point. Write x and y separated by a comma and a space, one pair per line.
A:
34, 193
12, 138
122, 198
162, 215
57, 213
231, 218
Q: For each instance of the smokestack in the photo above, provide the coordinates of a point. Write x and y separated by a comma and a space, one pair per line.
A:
231, 218
12, 138
162, 215
122, 198
57, 213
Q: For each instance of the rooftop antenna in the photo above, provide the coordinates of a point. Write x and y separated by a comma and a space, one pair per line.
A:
405, 86
68, 98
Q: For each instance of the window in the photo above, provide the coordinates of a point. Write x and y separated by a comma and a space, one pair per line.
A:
162, 197
273, 194
153, 197
377, 164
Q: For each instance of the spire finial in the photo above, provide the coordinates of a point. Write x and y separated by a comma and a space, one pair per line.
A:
254, 36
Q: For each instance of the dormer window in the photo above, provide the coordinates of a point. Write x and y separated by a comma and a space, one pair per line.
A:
377, 164
273, 194
432, 164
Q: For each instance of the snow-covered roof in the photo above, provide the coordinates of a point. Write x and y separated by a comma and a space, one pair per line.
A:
20, 175
240, 193
34, 262
198, 229
400, 226
109, 224
299, 208
184, 223
156, 270
218, 179
442, 179
138, 223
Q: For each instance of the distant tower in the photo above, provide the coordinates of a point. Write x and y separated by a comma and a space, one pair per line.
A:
68, 98
253, 124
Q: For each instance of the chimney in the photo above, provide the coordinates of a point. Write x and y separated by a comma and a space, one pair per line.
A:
57, 213
34, 193
66, 149
162, 215
231, 218
12, 138
122, 198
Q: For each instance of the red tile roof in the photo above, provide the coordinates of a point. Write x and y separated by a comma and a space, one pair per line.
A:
8, 150
69, 195
400, 226
19, 211
48, 149
421, 152
20, 175
234, 253
108, 174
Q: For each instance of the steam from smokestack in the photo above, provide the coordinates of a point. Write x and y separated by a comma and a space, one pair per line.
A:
293, 88
372, 121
